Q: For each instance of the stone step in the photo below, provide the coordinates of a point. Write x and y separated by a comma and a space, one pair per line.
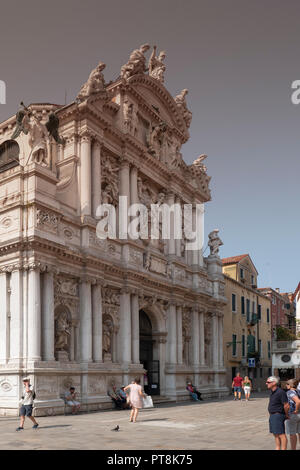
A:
160, 399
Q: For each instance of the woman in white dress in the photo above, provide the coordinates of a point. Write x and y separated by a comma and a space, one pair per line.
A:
136, 398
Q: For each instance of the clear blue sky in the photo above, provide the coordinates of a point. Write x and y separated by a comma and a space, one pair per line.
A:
238, 59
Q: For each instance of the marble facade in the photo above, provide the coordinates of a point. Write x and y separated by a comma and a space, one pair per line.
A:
70, 302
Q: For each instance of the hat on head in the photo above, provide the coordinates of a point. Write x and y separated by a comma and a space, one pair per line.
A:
26, 379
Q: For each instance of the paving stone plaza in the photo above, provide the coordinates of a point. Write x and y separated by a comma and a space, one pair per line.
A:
209, 425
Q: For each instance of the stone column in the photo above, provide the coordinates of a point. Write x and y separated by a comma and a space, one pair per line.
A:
171, 241
85, 299
96, 176
195, 253
133, 185
123, 211
4, 321
48, 317
97, 322
195, 337
179, 334
72, 342
172, 336
201, 339
124, 346
178, 241
34, 314
215, 340
221, 357
16, 314
135, 329
201, 234
85, 175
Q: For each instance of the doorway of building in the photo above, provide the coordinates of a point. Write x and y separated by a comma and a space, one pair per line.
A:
151, 379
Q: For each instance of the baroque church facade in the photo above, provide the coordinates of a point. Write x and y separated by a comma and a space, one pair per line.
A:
84, 311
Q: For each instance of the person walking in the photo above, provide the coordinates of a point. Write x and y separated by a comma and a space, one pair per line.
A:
136, 398
237, 384
278, 409
27, 404
292, 425
247, 386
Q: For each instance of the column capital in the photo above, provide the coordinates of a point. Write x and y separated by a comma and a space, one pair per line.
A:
124, 161
86, 136
85, 279
97, 144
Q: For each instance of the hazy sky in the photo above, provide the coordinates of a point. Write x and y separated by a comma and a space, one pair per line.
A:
238, 59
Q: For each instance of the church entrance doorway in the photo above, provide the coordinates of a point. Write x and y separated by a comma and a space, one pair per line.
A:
151, 379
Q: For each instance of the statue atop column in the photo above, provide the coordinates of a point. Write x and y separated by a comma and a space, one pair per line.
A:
182, 105
95, 83
136, 63
214, 242
156, 65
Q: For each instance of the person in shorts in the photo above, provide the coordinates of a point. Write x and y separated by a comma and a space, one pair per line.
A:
71, 400
27, 405
292, 425
247, 386
237, 384
278, 409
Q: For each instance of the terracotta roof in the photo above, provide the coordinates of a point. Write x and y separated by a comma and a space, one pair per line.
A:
233, 259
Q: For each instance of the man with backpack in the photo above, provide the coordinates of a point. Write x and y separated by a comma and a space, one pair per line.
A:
27, 404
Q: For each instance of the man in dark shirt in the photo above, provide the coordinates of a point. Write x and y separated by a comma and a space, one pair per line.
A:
278, 409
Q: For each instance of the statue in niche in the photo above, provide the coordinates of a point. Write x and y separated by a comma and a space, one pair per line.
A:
95, 83
38, 141
109, 182
136, 63
214, 242
156, 65
107, 337
130, 117
147, 260
62, 331
182, 106
156, 139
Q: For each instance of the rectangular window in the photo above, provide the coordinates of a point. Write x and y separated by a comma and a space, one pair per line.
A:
241, 273
243, 345
243, 305
268, 315
234, 345
259, 311
253, 307
233, 297
248, 309
269, 349
252, 280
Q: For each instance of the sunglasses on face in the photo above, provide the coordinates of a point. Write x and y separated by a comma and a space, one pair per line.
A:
269, 382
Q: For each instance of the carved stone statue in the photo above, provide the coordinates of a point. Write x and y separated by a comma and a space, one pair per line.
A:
38, 141
157, 67
147, 260
62, 331
136, 63
198, 163
109, 181
156, 139
130, 117
95, 83
107, 337
181, 104
22, 121
214, 242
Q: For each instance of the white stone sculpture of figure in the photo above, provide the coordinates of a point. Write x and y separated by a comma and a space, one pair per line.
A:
136, 63
95, 83
62, 332
214, 242
156, 139
147, 261
130, 117
157, 67
38, 141
198, 162
181, 104
106, 340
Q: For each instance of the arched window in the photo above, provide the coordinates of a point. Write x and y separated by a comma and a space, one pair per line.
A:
9, 155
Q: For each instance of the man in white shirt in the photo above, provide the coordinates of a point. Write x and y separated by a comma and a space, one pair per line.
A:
27, 404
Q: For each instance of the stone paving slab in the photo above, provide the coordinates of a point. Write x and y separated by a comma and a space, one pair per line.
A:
214, 424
